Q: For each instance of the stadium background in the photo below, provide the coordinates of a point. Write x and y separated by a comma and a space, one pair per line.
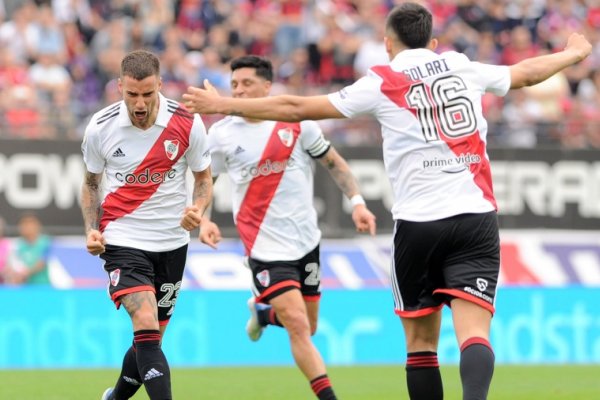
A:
58, 61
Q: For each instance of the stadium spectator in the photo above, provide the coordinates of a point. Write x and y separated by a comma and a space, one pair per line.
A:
49, 76
19, 33
522, 116
49, 35
28, 261
429, 107
97, 34
551, 96
275, 222
144, 145
519, 47
22, 112
371, 50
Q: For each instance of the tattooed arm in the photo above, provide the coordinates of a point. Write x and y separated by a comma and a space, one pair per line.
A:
339, 170
90, 208
201, 198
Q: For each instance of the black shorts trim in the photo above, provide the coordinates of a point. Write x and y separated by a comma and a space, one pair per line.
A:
273, 278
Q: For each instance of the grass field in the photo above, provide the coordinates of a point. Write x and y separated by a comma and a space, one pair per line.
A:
351, 383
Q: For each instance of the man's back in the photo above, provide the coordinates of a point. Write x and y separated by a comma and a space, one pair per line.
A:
434, 132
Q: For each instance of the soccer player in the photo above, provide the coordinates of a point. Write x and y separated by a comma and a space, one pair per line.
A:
144, 145
446, 239
270, 166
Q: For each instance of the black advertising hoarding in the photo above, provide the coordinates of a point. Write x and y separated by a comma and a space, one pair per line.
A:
44, 177
547, 188
535, 188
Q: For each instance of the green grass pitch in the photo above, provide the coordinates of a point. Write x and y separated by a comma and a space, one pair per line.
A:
568, 382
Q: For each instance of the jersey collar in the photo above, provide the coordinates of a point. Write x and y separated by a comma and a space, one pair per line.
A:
162, 119
410, 54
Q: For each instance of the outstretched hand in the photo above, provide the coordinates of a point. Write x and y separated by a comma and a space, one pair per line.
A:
201, 101
579, 44
364, 220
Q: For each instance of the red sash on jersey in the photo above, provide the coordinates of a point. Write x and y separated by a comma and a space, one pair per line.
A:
262, 187
395, 85
159, 160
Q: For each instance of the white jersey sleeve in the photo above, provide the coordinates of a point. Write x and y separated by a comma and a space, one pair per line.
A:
312, 139
90, 147
495, 78
198, 154
362, 97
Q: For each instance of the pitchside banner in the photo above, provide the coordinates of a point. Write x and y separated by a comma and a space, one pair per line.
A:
536, 188
81, 329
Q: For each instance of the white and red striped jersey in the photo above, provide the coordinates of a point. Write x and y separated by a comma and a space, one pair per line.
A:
145, 173
271, 170
434, 132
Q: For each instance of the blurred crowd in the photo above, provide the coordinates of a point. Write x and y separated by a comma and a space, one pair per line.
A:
59, 58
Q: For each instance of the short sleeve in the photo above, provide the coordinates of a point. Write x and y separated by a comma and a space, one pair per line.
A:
494, 78
198, 154
312, 139
362, 97
90, 147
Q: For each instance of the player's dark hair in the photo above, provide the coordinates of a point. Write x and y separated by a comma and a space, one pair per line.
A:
140, 64
412, 24
262, 66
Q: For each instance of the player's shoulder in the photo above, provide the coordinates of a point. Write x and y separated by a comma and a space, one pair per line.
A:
309, 126
222, 126
102, 121
455, 57
106, 114
176, 108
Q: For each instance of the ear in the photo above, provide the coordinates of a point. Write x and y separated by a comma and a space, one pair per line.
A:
433, 44
388, 47
120, 85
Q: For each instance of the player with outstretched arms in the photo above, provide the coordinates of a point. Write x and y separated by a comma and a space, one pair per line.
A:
446, 238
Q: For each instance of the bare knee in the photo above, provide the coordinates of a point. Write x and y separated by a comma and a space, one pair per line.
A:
144, 320
295, 322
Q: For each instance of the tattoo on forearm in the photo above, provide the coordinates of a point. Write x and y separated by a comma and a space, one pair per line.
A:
202, 192
330, 164
342, 176
236, 113
90, 200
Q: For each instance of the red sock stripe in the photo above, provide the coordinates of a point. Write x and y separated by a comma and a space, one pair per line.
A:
422, 361
146, 337
272, 317
476, 340
319, 384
